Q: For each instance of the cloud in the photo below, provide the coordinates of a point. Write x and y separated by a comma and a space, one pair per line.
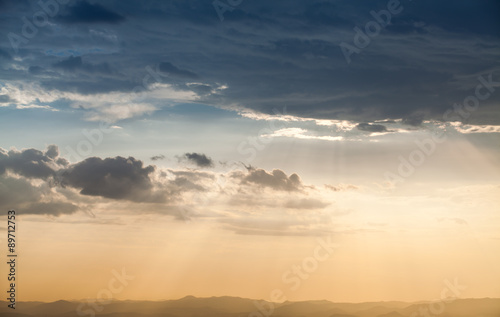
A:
185, 183
200, 89
467, 129
20, 194
170, 69
41, 182
370, 127
201, 160
32, 163
84, 12
291, 49
300, 133
52, 151
157, 157
109, 107
115, 178
276, 180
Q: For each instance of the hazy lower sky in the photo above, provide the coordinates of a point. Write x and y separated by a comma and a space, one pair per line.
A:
334, 150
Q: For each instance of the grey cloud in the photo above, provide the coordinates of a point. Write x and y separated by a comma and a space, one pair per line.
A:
190, 181
370, 127
276, 180
157, 157
52, 151
16, 191
20, 194
116, 178
185, 183
32, 163
201, 160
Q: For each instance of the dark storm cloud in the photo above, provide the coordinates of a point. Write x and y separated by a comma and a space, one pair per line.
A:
276, 180
175, 71
370, 127
201, 160
116, 178
85, 12
272, 54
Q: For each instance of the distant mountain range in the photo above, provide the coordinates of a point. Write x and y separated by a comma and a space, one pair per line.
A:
241, 307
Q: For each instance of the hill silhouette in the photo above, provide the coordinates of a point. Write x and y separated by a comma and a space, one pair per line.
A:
226, 306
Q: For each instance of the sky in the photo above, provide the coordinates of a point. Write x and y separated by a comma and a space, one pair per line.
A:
336, 150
